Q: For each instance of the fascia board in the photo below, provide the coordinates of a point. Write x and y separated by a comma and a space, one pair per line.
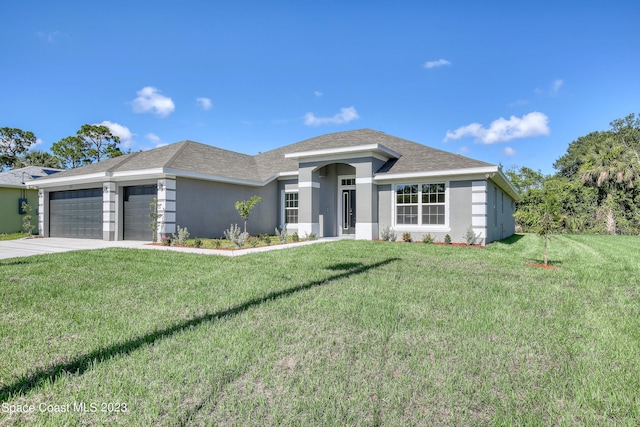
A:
440, 173
56, 181
330, 153
217, 178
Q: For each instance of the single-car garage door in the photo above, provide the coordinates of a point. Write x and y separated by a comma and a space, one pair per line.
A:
137, 201
76, 213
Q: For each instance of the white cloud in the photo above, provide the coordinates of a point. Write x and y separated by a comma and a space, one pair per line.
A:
553, 90
152, 137
123, 132
150, 100
509, 152
502, 130
38, 142
48, 37
434, 64
463, 150
344, 116
155, 139
519, 102
205, 103
317, 93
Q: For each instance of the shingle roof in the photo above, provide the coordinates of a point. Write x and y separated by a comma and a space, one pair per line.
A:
189, 156
414, 157
17, 177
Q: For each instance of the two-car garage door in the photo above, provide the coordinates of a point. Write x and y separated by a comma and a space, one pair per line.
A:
78, 213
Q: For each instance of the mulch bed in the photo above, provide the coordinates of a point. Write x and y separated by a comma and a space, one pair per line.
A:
547, 267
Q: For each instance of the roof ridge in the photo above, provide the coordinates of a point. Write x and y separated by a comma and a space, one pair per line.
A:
177, 153
123, 160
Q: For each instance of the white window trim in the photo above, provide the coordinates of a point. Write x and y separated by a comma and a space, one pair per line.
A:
420, 227
339, 196
282, 209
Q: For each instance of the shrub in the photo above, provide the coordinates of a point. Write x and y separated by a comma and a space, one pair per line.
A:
217, 244
447, 240
27, 226
312, 236
265, 238
427, 238
155, 216
239, 238
197, 242
388, 234
295, 237
470, 236
282, 234
166, 241
181, 238
406, 237
253, 241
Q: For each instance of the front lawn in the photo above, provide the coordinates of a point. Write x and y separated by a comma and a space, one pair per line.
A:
13, 236
340, 333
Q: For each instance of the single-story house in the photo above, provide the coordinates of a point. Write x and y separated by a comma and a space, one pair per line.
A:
14, 192
353, 183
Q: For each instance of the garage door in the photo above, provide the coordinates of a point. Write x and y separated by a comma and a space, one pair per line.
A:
136, 211
76, 213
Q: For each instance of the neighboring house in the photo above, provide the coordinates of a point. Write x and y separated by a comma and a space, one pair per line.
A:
13, 192
351, 183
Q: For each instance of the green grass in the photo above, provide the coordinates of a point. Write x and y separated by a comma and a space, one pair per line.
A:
13, 236
341, 333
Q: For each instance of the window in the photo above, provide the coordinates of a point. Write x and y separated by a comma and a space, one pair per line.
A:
433, 204
407, 204
420, 204
291, 208
348, 181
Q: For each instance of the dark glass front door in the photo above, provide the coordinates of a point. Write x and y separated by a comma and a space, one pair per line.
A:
348, 211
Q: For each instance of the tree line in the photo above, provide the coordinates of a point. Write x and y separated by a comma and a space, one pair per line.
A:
90, 144
596, 187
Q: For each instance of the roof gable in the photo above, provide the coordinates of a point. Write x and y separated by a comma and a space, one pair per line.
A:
205, 160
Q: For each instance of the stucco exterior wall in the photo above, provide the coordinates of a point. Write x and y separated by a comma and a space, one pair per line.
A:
11, 220
500, 210
207, 208
459, 211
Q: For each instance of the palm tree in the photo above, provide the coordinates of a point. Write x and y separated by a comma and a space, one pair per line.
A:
610, 166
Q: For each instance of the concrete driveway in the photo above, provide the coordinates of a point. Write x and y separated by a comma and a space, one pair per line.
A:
27, 247
49, 245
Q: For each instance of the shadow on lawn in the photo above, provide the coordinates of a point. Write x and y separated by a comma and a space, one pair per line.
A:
511, 239
85, 362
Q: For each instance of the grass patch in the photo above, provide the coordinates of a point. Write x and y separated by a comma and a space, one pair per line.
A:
347, 332
13, 236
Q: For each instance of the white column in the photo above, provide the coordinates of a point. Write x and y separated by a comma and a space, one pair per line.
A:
166, 206
479, 209
109, 190
42, 222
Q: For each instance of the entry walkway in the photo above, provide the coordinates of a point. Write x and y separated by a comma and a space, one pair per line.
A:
48, 245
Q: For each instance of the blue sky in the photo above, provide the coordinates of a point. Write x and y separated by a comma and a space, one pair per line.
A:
504, 82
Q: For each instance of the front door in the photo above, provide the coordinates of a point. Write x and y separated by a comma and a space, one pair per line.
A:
348, 211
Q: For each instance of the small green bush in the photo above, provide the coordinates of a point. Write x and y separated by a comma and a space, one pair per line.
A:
180, 239
470, 236
282, 234
312, 236
253, 241
447, 240
295, 237
233, 234
406, 237
427, 238
388, 234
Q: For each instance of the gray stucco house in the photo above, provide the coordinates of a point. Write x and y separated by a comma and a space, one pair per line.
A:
350, 184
